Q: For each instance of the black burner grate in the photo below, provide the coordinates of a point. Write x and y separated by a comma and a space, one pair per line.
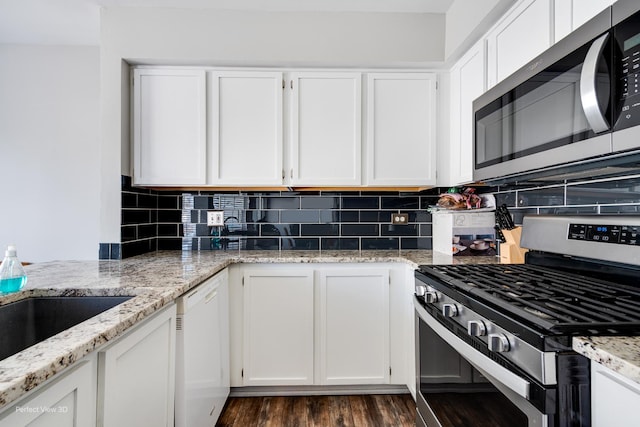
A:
553, 300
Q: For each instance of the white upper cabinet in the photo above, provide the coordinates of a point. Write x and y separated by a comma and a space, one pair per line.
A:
401, 125
251, 128
524, 32
468, 81
169, 127
325, 129
570, 14
245, 128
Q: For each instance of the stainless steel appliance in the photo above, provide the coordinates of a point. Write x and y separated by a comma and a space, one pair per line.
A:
576, 104
493, 341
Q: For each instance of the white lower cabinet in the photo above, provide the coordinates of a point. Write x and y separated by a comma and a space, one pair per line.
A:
353, 327
615, 399
327, 324
128, 382
278, 327
67, 401
136, 375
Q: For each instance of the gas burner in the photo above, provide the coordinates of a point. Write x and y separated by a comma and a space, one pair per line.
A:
555, 301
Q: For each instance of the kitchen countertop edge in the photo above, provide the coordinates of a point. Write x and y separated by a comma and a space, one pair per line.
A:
620, 354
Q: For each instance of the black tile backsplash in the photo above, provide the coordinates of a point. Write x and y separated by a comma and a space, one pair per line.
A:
150, 221
380, 243
417, 243
360, 230
399, 230
552, 196
400, 202
596, 197
319, 230
364, 202
307, 221
157, 220
376, 216
329, 244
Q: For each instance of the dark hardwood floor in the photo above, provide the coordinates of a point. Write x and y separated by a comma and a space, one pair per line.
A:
394, 410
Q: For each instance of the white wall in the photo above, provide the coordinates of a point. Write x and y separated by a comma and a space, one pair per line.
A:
242, 38
49, 165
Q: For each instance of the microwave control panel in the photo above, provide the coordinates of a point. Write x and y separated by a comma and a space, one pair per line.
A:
627, 35
620, 234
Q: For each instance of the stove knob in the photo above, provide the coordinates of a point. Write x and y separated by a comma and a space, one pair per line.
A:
449, 310
498, 343
476, 328
420, 290
430, 297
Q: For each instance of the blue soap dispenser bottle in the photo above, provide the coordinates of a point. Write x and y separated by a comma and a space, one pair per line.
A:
12, 275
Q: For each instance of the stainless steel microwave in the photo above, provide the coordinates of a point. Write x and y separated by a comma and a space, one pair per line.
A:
573, 109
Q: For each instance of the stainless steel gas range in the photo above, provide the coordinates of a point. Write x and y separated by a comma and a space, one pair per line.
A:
493, 342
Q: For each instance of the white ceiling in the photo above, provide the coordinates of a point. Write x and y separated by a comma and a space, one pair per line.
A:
78, 21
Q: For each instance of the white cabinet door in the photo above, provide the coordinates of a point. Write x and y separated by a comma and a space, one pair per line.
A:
169, 127
524, 32
136, 378
353, 326
325, 129
69, 400
245, 119
468, 81
401, 126
615, 399
278, 327
570, 14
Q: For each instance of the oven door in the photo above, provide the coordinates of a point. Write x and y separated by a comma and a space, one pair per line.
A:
457, 386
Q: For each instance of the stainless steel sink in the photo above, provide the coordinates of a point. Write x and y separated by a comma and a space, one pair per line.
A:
32, 320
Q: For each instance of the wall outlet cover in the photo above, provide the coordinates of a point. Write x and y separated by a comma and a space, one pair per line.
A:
400, 218
215, 218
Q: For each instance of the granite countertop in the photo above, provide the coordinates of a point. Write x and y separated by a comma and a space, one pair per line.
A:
620, 354
154, 280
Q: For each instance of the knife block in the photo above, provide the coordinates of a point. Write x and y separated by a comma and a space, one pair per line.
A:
510, 251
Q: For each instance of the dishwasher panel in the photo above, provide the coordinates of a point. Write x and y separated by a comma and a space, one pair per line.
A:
202, 360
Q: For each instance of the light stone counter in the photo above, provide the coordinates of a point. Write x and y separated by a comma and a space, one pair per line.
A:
620, 354
155, 280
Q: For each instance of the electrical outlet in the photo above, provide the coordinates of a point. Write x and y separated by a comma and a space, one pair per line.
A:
400, 218
215, 218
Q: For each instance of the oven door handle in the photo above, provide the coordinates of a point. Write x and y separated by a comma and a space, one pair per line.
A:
515, 383
588, 86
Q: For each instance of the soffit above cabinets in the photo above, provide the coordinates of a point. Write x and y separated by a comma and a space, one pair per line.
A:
397, 6
77, 22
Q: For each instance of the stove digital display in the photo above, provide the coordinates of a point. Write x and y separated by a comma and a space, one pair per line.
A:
620, 234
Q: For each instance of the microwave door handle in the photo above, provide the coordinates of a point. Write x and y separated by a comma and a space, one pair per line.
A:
588, 90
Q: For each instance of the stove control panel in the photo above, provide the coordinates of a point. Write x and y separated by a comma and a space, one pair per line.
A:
620, 234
